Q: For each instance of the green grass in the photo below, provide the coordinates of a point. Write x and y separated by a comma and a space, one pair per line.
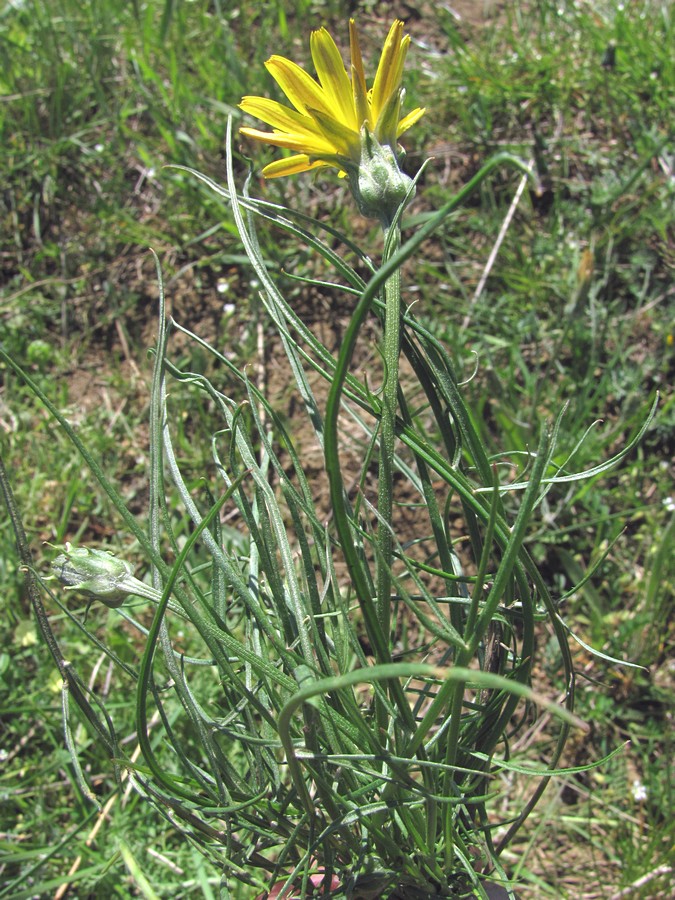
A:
578, 307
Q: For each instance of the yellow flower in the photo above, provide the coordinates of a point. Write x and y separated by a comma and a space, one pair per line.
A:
330, 114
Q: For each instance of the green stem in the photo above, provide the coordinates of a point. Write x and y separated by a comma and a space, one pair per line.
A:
344, 525
391, 352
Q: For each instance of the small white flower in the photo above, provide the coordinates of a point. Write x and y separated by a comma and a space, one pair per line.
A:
639, 791
669, 503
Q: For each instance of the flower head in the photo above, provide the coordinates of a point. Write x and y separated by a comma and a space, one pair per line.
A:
98, 574
331, 114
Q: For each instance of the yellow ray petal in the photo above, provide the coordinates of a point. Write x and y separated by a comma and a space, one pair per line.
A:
346, 140
359, 89
299, 87
292, 165
333, 77
313, 146
409, 120
396, 74
390, 63
278, 116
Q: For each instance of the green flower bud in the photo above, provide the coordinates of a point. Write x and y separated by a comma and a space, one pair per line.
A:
97, 574
378, 185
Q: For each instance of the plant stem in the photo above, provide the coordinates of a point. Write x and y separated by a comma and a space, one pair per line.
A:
391, 352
